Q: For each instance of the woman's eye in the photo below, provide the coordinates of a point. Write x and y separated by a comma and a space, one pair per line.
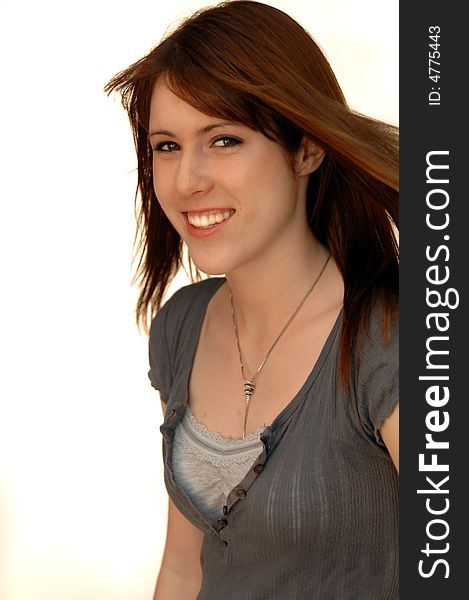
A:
226, 141
166, 147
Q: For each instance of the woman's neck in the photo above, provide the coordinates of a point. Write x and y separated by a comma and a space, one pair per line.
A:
266, 296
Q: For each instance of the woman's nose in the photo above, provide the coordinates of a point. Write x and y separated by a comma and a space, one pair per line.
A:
192, 174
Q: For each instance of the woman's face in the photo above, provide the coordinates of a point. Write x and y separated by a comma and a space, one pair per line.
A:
230, 192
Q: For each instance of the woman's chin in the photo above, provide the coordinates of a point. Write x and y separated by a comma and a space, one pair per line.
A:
209, 267
218, 260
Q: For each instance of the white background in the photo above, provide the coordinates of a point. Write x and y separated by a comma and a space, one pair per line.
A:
82, 502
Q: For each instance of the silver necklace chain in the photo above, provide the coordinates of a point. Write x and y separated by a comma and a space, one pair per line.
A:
249, 383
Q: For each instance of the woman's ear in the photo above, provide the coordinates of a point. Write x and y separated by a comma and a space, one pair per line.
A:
308, 157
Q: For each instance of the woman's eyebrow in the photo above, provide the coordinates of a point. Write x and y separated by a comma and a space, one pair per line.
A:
199, 132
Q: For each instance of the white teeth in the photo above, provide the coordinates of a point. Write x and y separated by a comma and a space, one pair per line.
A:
208, 219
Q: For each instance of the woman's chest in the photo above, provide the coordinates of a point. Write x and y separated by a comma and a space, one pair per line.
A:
313, 485
217, 384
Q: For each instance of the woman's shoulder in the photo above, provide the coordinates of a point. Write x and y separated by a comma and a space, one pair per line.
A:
187, 303
174, 331
377, 369
378, 344
382, 331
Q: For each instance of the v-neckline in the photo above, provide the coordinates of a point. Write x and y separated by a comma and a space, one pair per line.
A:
293, 404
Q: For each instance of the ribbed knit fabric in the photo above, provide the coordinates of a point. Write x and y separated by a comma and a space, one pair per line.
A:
316, 516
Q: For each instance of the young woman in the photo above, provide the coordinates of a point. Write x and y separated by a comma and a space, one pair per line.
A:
279, 380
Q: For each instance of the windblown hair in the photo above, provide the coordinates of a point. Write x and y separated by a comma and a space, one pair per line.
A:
249, 62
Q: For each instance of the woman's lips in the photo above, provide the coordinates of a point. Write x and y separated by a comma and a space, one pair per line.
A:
204, 219
203, 223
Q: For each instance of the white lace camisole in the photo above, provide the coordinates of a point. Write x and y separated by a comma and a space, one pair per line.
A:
208, 466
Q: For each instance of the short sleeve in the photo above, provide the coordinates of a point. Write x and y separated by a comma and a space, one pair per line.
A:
160, 365
378, 377
174, 333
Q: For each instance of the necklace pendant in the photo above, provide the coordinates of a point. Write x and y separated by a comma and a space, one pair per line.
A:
249, 388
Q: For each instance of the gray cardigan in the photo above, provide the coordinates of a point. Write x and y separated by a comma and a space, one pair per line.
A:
316, 517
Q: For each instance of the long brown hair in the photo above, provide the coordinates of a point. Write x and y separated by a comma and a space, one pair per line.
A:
249, 62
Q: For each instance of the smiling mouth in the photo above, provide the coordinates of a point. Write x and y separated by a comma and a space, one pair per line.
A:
205, 220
